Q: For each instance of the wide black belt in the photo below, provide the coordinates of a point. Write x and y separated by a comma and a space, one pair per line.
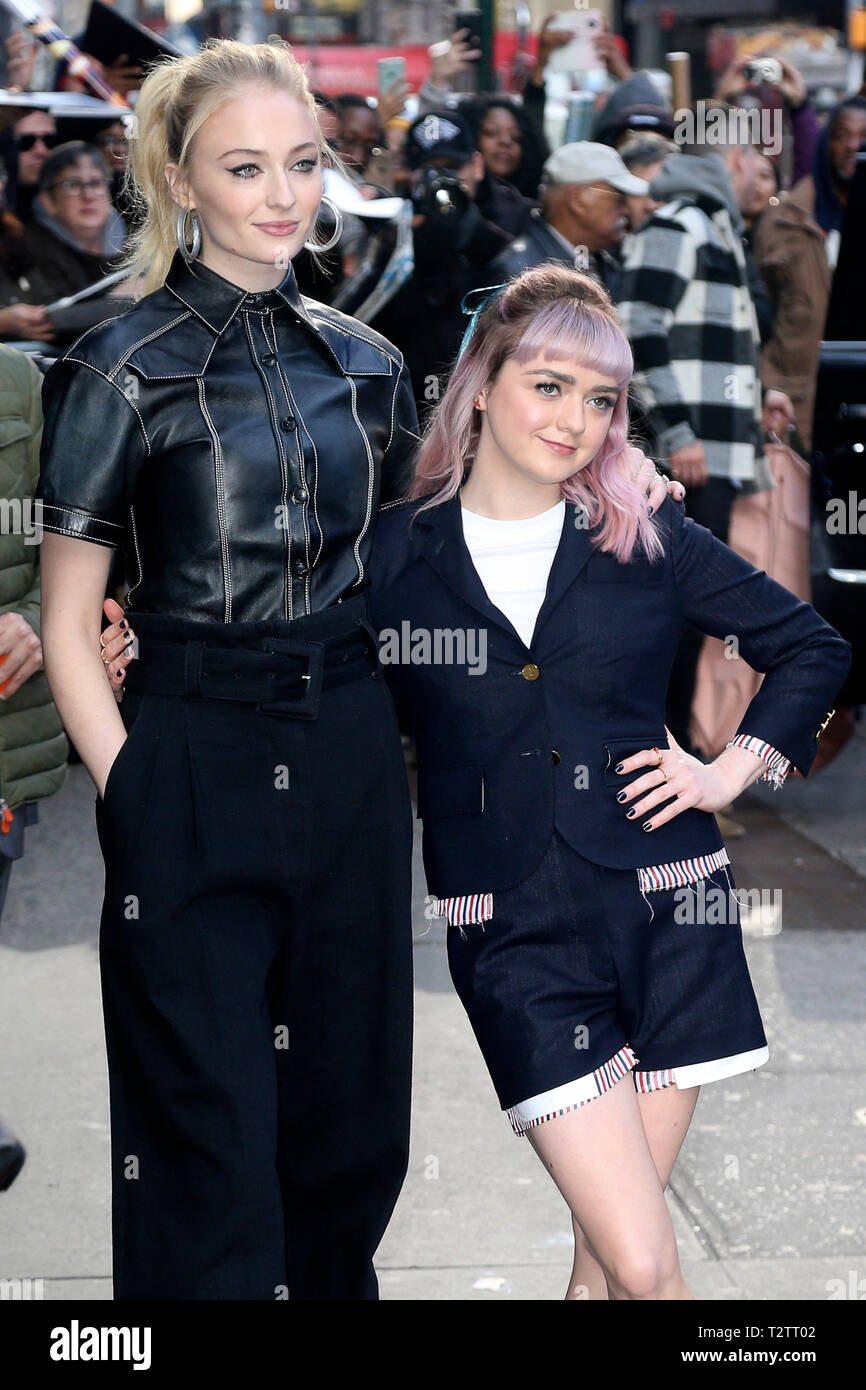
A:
278, 674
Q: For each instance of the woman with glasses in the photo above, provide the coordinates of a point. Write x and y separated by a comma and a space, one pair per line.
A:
108, 136
75, 235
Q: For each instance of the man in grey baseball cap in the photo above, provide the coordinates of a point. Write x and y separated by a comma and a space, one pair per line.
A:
583, 216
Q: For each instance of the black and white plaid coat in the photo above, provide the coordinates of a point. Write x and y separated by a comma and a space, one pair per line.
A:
685, 304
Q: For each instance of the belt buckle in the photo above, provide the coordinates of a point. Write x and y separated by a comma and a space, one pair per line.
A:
306, 706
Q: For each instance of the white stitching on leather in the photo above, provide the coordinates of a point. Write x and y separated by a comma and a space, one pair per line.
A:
137, 553
148, 338
68, 531
117, 388
293, 405
200, 316
341, 327
284, 466
227, 581
80, 511
371, 479
393, 410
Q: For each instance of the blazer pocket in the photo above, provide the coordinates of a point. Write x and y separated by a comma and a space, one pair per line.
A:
451, 791
616, 749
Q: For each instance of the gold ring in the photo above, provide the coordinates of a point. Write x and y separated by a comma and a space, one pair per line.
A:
665, 778
658, 755
105, 659
102, 640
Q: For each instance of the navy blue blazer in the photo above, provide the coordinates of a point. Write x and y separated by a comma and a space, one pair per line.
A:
532, 741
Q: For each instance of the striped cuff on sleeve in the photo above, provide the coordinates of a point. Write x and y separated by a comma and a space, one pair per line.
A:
777, 765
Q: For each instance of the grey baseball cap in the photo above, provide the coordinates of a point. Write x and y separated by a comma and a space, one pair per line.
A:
586, 162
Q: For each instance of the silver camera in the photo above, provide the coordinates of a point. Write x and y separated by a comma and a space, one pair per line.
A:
764, 70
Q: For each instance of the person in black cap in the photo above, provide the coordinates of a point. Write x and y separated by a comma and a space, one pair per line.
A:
635, 107
453, 245
108, 135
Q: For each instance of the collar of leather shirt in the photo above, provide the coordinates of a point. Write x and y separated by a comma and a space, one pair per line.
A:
215, 300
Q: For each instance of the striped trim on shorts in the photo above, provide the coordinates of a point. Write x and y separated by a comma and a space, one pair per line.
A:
573, 1094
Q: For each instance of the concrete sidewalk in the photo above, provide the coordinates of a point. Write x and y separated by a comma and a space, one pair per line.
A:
768, 1195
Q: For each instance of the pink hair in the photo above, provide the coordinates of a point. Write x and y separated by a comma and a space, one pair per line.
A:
549, 311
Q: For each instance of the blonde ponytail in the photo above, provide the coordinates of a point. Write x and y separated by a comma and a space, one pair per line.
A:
176, 98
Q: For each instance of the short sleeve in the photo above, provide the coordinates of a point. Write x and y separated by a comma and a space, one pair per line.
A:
93, 442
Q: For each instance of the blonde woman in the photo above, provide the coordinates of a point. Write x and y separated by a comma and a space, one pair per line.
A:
234, 440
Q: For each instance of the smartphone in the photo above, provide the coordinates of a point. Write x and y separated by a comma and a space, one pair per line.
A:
580, 55
471, 20
389, 70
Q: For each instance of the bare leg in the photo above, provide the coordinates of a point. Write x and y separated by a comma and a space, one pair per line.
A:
600, 1158
666, 1115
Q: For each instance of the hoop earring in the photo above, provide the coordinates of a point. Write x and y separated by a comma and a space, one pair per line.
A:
337, 233
189, 253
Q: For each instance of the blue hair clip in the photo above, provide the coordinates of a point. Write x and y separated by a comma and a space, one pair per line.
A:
489, 292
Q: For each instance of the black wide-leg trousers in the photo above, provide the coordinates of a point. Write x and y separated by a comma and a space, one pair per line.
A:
255, 954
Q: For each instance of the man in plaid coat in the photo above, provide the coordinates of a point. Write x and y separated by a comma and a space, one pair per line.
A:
686, 306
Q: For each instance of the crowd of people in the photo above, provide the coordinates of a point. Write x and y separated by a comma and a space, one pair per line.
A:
718, 256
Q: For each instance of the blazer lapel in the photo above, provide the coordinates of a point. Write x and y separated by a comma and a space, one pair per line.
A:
445, 550
574, 549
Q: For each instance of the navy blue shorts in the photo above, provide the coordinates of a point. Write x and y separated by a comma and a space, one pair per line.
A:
581, 974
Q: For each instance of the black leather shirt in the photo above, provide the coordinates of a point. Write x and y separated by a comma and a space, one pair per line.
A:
236, 445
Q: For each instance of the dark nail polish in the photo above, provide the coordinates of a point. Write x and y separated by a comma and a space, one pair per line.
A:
650, 510
631, 813
618, 767
647, 825
123, 623
621, 796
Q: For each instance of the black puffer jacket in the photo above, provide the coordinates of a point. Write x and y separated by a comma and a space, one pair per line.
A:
235, 445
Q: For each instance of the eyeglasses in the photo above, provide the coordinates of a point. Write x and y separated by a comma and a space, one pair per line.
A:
611, 192
112, 142
76, 188
27, 142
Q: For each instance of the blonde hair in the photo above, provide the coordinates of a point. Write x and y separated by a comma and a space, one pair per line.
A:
176, 98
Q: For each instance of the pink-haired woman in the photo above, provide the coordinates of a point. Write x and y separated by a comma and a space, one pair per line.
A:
529, 609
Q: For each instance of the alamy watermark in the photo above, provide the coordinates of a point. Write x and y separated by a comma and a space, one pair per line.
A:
438, 646
730, 125
21, 516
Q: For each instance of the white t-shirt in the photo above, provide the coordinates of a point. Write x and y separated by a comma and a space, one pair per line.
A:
513, 560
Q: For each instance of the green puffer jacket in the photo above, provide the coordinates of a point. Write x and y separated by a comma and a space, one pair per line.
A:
33, 746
